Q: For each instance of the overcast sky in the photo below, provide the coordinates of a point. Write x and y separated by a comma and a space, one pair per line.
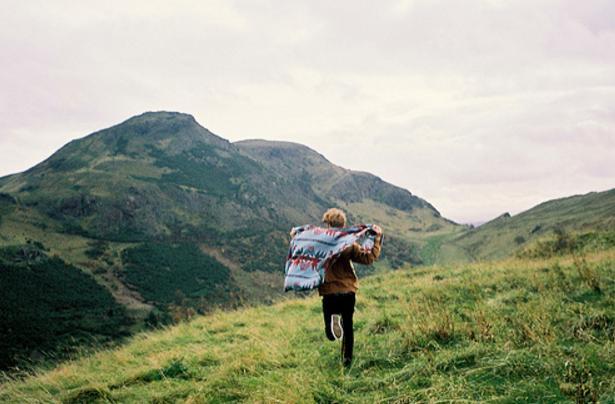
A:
480, 107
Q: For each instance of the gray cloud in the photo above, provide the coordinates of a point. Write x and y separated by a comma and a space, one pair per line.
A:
480, 107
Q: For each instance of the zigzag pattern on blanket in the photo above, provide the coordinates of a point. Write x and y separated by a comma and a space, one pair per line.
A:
313, 248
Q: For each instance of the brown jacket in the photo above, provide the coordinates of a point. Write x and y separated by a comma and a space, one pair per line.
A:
340, 277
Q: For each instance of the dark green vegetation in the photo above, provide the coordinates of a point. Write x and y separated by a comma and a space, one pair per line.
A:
49, 305
400, 252
164, 273
520, 330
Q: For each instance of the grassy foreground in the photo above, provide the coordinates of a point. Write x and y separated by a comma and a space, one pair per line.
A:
508, 331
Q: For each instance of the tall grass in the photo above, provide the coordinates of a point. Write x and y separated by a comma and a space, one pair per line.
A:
518, 330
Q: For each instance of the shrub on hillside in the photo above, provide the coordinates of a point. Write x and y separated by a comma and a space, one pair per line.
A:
399, 252
159, 270
96, 249
564, 243
50, 306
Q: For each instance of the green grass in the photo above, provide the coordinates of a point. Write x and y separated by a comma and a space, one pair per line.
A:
432, 251
518, 330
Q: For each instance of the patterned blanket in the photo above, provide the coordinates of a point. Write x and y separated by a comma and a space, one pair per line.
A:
314, 248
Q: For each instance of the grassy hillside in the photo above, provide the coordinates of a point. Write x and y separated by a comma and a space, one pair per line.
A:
518, 330
508, 234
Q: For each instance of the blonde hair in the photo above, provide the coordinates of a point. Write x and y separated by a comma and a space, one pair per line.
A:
334, 217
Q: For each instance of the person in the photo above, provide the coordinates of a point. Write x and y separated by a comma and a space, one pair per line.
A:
341, 284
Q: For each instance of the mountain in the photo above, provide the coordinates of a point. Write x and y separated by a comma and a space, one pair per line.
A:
164, 218
511, 331
299, 163
410, 222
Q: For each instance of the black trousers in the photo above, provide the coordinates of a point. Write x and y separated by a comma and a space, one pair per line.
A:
343, 304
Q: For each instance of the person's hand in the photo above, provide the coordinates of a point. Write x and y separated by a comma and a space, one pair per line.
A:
292, 233
377, 229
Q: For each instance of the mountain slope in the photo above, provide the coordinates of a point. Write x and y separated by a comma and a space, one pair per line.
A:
509, 331
411, 222
301, 162
506, 234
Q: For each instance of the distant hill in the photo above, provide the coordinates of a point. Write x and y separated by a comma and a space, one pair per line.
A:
506, 234
169, 218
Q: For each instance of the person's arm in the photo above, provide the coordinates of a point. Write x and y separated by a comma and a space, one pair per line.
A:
360, 255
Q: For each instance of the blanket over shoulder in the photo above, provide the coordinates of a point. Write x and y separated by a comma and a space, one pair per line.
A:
313, 249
